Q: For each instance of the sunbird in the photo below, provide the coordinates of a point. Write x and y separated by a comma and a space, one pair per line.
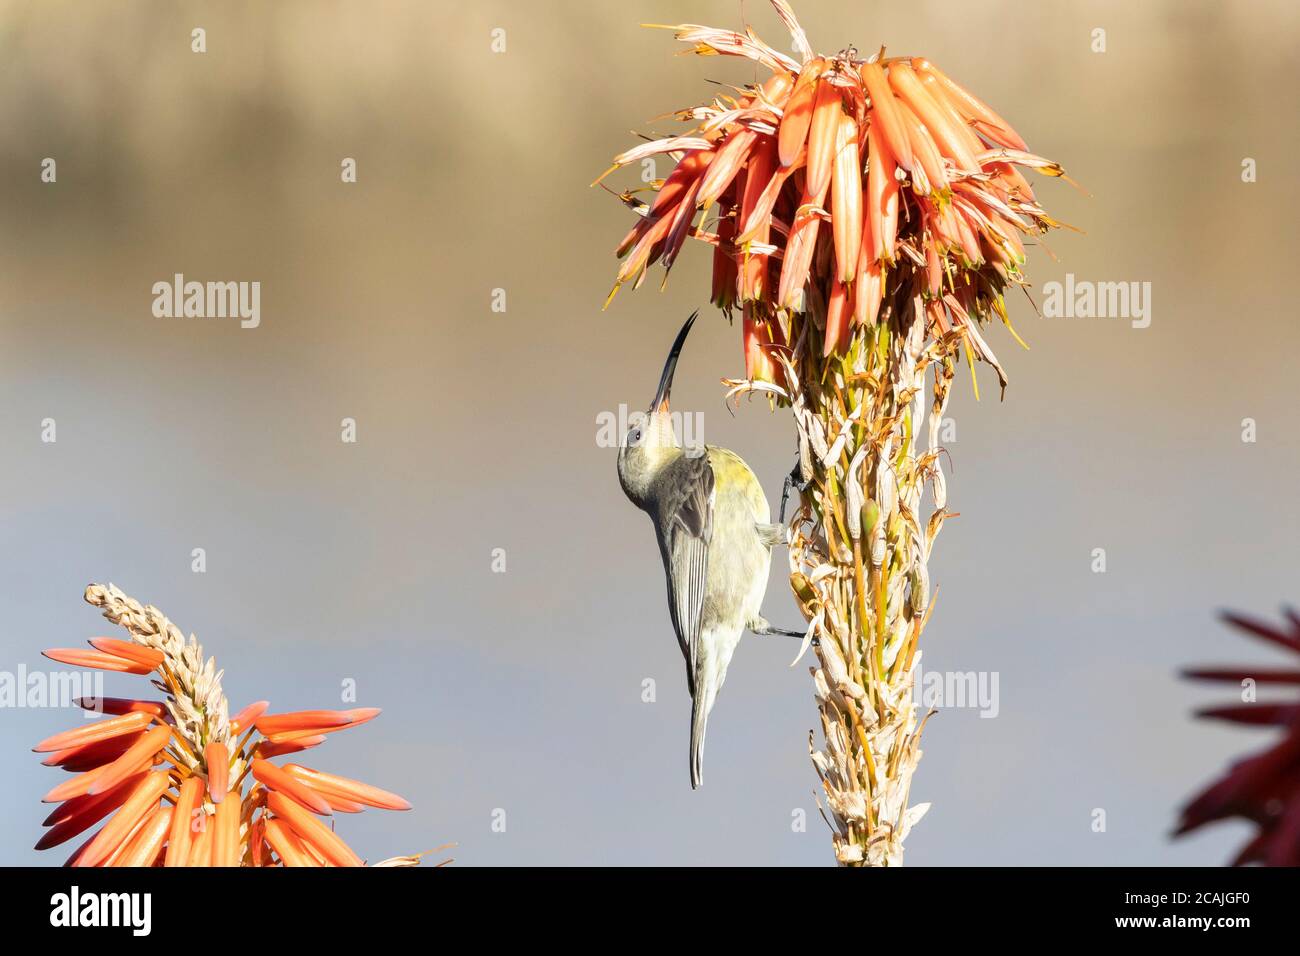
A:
711, 519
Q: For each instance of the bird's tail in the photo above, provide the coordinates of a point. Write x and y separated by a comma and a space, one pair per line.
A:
700, 706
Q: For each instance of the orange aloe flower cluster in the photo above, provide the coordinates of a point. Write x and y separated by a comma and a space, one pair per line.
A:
185, 784
870, 186
866, 217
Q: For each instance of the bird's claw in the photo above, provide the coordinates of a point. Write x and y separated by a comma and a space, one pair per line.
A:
791, 481
768, 630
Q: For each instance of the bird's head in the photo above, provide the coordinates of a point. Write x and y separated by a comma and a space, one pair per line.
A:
651, 441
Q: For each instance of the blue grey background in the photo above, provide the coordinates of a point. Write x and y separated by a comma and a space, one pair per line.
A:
372, 562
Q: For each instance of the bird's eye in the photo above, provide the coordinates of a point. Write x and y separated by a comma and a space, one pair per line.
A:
634, 436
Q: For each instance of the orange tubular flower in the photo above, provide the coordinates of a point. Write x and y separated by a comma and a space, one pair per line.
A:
217, 759
94, 733
911, 125
273, 778
99, 660
180, 783
353, 790
90, 756
793, 133
847, 199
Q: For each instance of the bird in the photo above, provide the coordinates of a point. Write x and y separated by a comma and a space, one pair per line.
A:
712, 523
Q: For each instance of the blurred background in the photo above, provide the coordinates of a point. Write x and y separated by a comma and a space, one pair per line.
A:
372, 561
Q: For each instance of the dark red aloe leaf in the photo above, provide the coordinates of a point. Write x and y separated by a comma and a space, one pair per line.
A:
1265, 787
1259, 715
1284, 848
1236, 675
1254, 851
1264, 631
1249, 789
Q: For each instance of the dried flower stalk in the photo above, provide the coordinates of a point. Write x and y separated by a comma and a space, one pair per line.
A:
858, 567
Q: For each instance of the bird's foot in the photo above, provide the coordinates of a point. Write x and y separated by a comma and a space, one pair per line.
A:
764, 629
791, 481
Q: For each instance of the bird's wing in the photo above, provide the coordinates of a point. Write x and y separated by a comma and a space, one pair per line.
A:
688, 524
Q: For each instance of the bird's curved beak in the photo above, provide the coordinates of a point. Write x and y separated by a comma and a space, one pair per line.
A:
660, 403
